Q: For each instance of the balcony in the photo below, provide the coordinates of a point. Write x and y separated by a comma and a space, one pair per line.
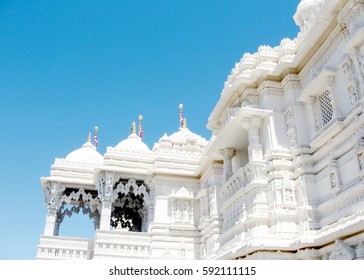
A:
252, 172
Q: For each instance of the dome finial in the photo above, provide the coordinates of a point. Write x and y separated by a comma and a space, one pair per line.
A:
89, 137
185, 123
133, 128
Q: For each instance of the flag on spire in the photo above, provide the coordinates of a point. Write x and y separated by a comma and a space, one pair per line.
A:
141, 131
96, 140
181, 117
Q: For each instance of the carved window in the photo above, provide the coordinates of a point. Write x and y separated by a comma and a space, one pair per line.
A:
326, 108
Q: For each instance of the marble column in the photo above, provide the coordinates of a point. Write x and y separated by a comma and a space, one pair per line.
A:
50, 221
54, 194
228, 167
105, 194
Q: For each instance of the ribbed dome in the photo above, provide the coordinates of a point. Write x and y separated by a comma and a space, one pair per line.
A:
86, 154
133, 144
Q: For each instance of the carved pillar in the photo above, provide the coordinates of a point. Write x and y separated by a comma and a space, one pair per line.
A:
312, 113
151, 205
50, 221
105, 188
228, 168
57, 226
252, 124
53, 194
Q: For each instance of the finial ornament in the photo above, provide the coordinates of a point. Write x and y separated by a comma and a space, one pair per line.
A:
140, 117
89, 137
180, 106
185, 123
133, 128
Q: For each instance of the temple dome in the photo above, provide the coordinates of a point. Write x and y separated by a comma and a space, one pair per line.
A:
133, 144
86, 154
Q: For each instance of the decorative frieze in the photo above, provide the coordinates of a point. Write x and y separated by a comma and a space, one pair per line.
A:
352, 17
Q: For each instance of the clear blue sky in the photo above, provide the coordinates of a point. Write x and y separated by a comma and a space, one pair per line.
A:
66, 66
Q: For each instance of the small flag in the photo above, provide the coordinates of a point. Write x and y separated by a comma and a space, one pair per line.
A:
181, 118
96, 140
141, 131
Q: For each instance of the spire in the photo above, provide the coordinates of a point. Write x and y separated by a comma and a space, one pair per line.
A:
185, 123
96, 140
133, 128
141, 131
89, 137
181, 118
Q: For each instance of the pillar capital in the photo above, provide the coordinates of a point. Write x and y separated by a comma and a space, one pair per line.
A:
227, 153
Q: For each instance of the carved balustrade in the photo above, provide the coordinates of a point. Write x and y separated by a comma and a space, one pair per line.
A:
67, 248
122, 245
253, 171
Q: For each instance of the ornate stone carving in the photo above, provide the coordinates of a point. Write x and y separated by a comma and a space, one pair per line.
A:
181, 206
52, 194
342, 251
360, 251
351, 79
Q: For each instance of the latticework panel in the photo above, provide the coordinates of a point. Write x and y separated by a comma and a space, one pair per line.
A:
326, 108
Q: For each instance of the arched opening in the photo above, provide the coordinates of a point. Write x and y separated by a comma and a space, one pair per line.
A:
127, 212
129, 206
76, 221
78, 215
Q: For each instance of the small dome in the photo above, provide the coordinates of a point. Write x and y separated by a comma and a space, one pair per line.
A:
133, 144
184, 135
86, 154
